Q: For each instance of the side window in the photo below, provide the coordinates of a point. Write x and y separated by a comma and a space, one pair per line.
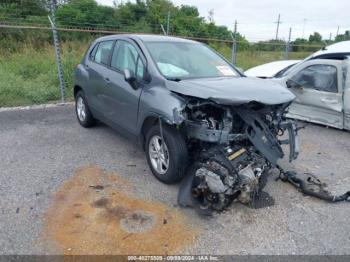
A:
103, 52
318, 77
140, 68
125, 56
93, 53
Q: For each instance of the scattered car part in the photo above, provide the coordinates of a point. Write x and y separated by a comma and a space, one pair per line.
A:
310, 185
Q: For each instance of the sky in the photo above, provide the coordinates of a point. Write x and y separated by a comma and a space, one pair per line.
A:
256, 18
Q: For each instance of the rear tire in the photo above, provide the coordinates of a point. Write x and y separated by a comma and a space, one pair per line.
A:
174, 161
82, 110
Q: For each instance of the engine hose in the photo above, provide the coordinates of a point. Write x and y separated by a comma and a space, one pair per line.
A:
307, 187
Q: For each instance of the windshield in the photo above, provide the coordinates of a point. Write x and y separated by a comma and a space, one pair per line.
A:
284, 71
177, 60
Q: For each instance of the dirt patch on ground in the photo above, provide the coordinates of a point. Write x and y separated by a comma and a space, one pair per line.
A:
96, 213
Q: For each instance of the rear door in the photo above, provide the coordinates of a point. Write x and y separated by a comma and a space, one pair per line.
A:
97, 65
318, 86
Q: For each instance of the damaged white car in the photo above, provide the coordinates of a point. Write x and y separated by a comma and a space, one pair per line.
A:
321, 84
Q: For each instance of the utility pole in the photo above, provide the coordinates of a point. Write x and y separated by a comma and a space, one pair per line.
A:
278, 25
304, 22
168, 23
211, 16
56, 43
330, 37
234, 44
288, 44
337, 31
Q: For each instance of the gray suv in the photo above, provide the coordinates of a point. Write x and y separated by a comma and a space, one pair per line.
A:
190, 110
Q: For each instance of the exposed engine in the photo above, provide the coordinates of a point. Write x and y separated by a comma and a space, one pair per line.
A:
233, 149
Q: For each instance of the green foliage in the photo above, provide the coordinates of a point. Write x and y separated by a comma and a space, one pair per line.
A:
270, 45
315, 38
29, 76
144, 16
84, 13
24, 8
343, 37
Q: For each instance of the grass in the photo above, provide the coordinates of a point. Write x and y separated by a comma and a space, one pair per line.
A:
29, 76
248, 59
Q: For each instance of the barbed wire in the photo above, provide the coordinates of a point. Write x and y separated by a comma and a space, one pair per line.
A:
16, 8
121, 27
255, 35
124, 24
11, 25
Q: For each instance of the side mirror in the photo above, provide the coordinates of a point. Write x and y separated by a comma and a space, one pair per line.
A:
293, 84
130, 77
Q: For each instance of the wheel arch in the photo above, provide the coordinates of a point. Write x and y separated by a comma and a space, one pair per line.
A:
150, 121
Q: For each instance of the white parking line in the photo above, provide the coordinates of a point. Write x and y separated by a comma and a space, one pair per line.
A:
2, 109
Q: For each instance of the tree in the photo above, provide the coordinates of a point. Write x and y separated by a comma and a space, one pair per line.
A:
315, 38
145, 16
23, 8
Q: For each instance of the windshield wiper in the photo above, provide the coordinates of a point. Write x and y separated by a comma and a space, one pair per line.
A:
176, 79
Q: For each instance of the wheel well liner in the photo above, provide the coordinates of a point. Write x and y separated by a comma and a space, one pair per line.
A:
76, 90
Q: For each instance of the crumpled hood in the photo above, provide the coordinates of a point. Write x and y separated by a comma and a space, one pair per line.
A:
233, 91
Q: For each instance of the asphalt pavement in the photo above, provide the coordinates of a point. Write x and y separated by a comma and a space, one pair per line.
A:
41, 150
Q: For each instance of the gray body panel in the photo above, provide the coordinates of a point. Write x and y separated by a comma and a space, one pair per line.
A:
234, 90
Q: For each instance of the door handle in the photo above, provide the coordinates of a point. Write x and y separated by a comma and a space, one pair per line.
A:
107, 79
330, 101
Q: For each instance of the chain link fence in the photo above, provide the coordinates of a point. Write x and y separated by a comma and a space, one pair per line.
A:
39, 55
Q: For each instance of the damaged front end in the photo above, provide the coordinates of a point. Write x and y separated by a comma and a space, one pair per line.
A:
233, 147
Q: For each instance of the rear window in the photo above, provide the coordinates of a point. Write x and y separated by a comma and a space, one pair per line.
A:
103, 52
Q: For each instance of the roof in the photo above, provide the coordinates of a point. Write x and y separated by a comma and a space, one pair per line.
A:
270, 69
161, 38
337, 48
149, 38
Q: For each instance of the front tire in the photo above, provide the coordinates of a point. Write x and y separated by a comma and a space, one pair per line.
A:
167, 159
82, 110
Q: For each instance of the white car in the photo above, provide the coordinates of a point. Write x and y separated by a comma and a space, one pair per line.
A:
321, 84
271, 69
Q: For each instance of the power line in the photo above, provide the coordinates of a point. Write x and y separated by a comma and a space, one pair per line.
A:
89, 30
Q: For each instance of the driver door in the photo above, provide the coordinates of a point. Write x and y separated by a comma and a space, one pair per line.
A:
318, 87
122, 98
